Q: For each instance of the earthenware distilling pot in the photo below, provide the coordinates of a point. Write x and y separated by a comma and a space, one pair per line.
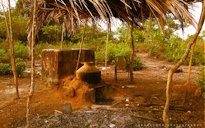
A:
88, 73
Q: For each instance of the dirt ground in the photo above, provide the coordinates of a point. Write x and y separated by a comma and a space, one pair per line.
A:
137, 104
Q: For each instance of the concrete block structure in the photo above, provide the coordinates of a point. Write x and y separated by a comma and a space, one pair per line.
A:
58, 64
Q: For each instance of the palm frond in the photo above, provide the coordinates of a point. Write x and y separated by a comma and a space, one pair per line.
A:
132, 11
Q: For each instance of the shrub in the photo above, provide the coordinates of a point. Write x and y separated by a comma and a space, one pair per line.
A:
200, 81
19, 25
2, 53
3, 29
20, 68
118, 49
99, 56
51, 33
167, 45
137, 64
21, 51
198, 57
6, 68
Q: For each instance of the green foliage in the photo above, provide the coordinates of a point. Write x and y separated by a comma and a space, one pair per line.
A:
100, 56
94, 40
19, 25
137, 64
21, 51
6, 68
163, 45
92, 35
4, 44
139, 36
51, 33
118, 49
123, 34
3, 29
114, 49
198, 58
173, 49
4, 52
20, 67
200, 81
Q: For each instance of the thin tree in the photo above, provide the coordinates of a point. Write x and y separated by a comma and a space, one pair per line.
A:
32, 41
11, 44
107, 41
62, 34
179, 63
189, 72
133, 51
81, 45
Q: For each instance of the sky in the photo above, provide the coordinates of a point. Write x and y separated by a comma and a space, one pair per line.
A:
13, 3
190, 30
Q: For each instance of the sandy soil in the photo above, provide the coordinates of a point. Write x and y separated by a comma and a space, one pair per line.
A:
145, 95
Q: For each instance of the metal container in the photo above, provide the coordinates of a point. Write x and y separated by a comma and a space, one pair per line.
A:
89, 73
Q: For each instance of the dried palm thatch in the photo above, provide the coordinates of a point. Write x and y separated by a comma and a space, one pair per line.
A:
72, 12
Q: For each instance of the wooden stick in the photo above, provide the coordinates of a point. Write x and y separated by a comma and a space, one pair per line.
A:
32, 45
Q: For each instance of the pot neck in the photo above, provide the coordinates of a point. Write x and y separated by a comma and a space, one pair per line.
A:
89, 63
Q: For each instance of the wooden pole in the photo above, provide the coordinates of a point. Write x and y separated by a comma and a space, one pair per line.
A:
81, 45
107, 42
189, 72
190, 63
133, 51
11, 45
32, 44
62, 34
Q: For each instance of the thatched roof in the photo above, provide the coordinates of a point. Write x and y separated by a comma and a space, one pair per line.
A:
131, 11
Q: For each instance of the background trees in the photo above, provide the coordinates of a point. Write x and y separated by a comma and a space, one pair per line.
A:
149, 38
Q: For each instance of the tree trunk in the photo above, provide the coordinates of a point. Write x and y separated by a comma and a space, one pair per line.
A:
174, 68
133, 52
32, 84
190, 62
81, 45
107, 41
189, 72
62, 34
11, 45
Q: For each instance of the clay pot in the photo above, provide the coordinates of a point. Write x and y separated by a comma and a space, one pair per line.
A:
88, 73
